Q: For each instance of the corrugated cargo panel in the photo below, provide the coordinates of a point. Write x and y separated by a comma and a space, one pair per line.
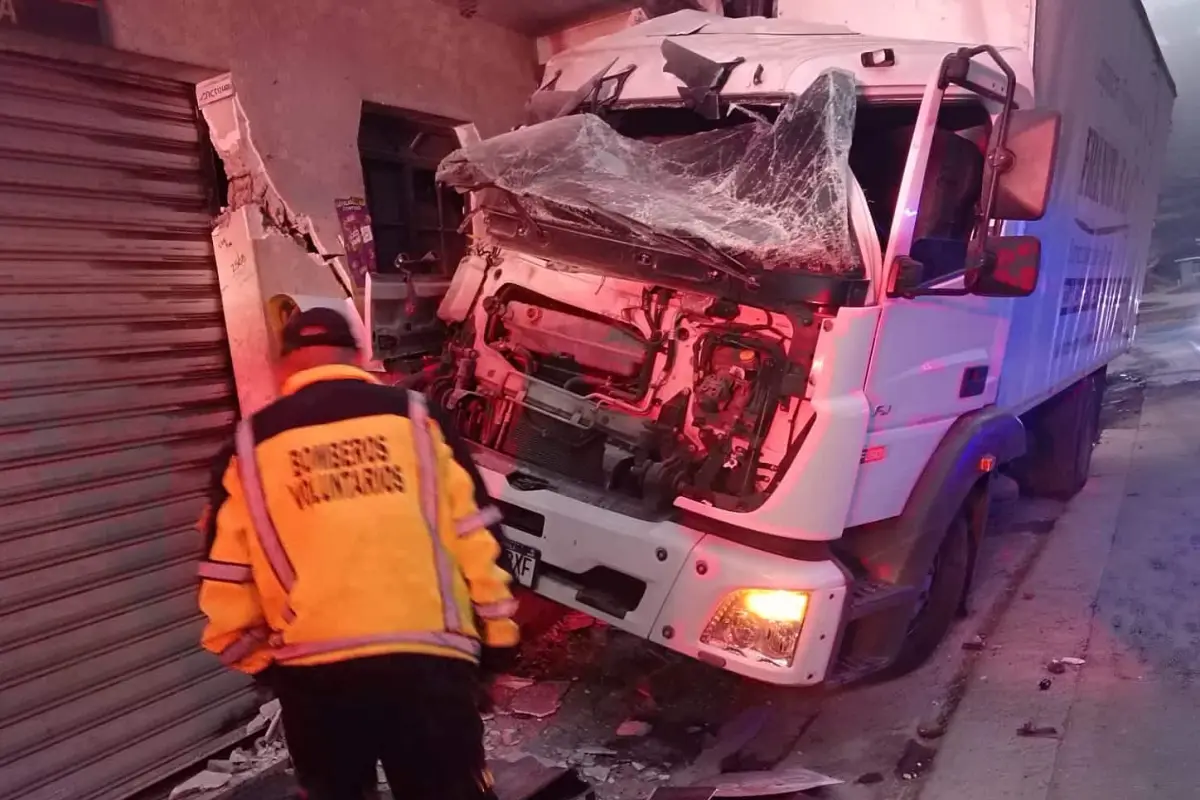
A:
115, 393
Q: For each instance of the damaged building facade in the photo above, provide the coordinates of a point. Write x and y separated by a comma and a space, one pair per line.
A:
170, 173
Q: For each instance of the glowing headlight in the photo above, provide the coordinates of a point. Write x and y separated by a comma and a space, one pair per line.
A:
759, 623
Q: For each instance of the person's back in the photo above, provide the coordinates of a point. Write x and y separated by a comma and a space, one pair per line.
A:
349, 562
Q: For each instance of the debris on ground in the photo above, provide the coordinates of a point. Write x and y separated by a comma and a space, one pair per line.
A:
200, 783
528, 779
634, 728
606, 752
1029, 730
1056, 667
683, 793
539, 700
241, 765
914, 761
1044, 684
975, 644
576, 621
770, 784
1071, 661
597, 773
267, 713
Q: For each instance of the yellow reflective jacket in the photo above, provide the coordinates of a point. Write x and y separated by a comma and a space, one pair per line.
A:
345, 527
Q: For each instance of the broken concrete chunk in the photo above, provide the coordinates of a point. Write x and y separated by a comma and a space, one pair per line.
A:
541, 700
205, 781
632, 728
513, 682
1071, 661
770, 784
267, 713
597, 773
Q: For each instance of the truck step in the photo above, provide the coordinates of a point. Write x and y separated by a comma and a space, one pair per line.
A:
851, 670
870, 597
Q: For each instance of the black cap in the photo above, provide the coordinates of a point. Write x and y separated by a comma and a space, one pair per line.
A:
317, 327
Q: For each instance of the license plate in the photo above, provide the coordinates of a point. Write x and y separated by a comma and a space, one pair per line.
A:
521, 562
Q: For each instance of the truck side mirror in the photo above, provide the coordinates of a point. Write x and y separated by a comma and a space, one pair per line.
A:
1010, 269
1023, 184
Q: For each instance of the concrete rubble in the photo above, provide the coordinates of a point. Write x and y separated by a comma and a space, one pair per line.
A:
222, 775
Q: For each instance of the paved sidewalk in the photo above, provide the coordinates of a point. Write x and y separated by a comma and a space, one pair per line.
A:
1118, 585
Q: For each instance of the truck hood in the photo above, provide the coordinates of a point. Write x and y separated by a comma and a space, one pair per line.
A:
750, 198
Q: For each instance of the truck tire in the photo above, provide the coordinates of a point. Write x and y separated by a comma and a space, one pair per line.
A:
1064, 431
940, 601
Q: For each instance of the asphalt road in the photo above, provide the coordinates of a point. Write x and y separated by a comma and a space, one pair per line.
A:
1117, 586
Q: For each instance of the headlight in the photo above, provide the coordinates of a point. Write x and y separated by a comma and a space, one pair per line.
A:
759, 623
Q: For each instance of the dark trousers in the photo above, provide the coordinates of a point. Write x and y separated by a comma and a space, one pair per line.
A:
415, 714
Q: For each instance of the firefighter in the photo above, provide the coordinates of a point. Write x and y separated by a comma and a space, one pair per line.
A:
351, 569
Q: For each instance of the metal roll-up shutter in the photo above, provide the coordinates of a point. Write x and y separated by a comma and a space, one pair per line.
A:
115, 393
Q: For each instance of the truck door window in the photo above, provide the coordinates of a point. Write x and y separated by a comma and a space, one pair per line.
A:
952, 182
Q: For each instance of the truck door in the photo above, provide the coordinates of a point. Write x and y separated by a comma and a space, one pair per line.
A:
935, 357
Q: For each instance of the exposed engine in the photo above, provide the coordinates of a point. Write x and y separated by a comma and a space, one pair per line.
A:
639, 390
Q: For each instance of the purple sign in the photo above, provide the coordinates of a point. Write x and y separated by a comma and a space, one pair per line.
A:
357, 238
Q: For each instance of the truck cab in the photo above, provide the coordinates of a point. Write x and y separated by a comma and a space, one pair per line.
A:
729, 338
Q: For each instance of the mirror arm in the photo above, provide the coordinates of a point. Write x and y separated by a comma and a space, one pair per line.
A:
912, 294
956, 70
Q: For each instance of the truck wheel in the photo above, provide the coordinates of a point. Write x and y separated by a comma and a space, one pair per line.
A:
1064, 433
940, 599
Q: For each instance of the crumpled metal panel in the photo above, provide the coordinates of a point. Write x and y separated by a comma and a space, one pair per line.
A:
115, 393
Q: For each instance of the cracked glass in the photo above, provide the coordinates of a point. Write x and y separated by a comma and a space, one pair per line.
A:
770, 195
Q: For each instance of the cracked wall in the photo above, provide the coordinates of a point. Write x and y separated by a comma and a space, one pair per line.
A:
301, 71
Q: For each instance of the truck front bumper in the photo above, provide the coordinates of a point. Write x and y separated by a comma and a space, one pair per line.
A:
668, 580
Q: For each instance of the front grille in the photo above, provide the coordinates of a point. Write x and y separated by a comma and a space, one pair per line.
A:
556, 446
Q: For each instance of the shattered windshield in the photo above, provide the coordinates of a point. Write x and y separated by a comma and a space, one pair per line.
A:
760, 195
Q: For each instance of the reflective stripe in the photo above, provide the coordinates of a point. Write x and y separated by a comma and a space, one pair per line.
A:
256, 504
427, 476
452, 641
229, 573
244, 646
426, 459
503, 609
483, 518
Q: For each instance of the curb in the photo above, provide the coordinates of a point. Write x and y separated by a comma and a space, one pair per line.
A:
936, 724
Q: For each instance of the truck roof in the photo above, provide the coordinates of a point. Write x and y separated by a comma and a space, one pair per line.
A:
782, 56
1158, 53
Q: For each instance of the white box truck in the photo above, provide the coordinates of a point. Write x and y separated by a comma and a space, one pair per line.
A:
755, 309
